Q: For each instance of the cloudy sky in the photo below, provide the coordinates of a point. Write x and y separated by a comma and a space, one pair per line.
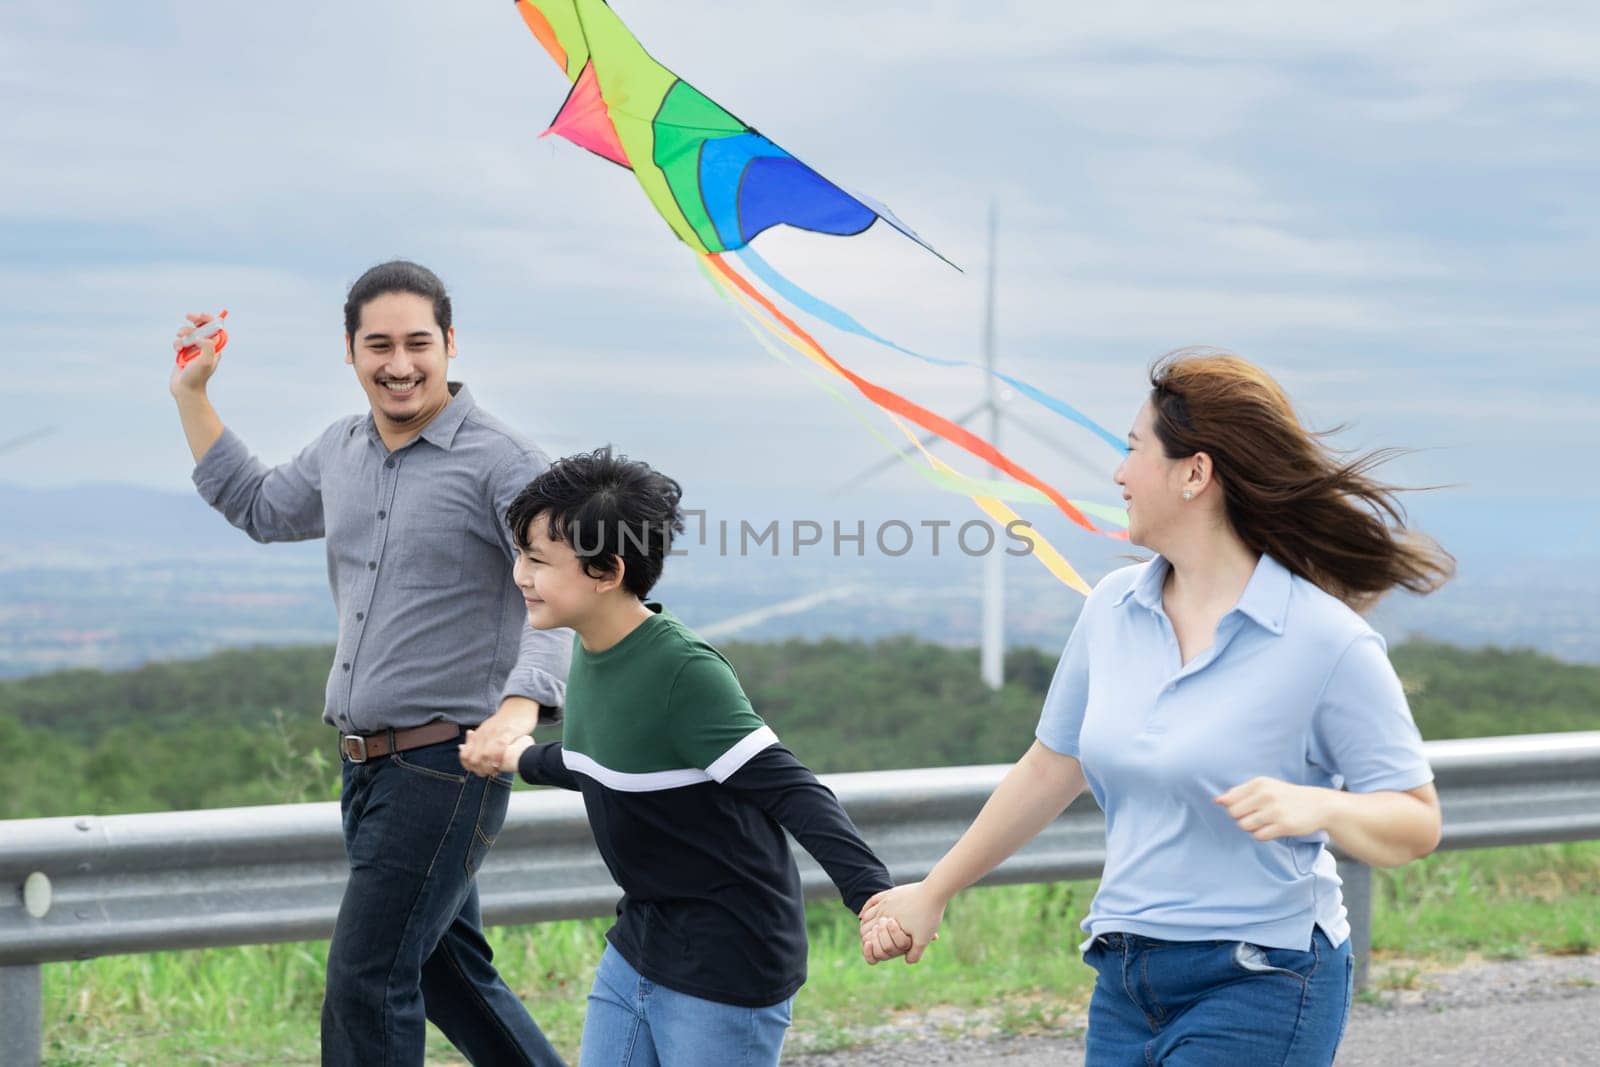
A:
1391, 207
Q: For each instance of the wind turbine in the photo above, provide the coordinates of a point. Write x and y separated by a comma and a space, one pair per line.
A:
992, 652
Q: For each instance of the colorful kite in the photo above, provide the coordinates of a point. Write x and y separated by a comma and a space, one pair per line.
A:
718, 184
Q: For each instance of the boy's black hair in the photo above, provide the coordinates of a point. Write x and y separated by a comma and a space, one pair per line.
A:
396, 276
605, 508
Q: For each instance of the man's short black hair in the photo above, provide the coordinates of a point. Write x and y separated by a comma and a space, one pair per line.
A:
396, 276
605, 508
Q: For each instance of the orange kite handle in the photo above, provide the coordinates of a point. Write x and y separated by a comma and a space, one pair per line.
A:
212, 329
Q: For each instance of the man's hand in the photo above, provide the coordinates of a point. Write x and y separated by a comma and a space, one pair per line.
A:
483, 750
1268, 808
911, 910
191, 378
201, 426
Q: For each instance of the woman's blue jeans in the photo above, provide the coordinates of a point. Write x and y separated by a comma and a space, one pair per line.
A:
1216, 1003
409, 941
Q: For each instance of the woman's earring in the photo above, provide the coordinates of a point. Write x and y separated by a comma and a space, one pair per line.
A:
1188, 494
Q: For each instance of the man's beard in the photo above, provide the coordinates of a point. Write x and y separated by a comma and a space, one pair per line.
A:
401, 420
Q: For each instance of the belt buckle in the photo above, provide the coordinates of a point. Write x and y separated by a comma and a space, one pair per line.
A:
354, 747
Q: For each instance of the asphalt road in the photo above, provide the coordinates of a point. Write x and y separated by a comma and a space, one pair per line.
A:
1542, 1011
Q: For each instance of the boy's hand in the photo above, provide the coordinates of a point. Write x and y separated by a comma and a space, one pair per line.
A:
883, 939
514, 751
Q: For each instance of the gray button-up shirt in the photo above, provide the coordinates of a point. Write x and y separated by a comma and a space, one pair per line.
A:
419, 560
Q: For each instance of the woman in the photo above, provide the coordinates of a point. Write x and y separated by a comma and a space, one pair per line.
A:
1233, 715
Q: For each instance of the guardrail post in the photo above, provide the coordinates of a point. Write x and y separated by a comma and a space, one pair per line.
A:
21, 1023
1357, 878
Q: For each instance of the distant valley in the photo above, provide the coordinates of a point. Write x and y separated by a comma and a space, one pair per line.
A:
108, 577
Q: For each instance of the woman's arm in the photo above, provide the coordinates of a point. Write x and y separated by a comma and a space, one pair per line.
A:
1361, 731
1384, 828
1028, 799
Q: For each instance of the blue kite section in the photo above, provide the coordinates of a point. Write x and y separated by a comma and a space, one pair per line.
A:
750, 184
781, 189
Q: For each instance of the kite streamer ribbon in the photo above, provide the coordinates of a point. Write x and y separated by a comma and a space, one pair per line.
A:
946, 478
843, 320
893, 402
984, 492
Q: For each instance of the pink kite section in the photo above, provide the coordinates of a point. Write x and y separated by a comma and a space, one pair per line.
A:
583, 120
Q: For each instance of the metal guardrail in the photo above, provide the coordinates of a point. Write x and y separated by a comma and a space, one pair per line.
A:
74, 888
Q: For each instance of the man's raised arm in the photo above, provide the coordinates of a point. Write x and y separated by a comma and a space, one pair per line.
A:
270, 504
201, 424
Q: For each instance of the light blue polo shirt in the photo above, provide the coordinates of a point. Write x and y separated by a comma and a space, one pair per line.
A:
1296, 686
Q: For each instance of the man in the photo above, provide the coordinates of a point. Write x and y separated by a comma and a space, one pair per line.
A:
411, 497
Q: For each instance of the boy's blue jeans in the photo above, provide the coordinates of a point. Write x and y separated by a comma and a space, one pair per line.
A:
633, 1022
1216, 1003
408, 941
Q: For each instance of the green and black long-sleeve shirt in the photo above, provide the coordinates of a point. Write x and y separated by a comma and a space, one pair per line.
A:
688, 793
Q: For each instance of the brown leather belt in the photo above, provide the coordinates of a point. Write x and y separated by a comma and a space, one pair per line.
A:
359, 748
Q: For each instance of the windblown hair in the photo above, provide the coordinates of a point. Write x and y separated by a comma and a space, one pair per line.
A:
605, 508
1286, 492
396, 276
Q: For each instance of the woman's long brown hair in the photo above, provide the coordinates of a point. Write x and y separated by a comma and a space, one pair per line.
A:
1286, 493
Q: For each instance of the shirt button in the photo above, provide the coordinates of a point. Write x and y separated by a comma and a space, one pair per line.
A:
382, 514
388, 463
360, 615
371, 566
347, 667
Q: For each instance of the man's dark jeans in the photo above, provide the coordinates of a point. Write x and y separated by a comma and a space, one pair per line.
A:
408, 941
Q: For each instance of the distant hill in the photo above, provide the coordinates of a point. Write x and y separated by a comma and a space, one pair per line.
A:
144, 522
244, 726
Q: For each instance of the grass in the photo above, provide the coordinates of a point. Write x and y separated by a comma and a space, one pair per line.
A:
1498, 903
1006, 963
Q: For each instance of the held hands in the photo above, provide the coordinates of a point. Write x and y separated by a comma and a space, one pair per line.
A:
488, 750
902, 921
1267, 808
483, 750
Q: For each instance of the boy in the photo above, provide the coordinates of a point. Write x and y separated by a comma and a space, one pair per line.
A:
687, 790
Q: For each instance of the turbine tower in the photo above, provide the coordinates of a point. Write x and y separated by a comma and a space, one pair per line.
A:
992, 646
992, 650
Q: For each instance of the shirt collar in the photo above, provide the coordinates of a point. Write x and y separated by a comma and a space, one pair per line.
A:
1265, 599
1146, 590
441, 431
